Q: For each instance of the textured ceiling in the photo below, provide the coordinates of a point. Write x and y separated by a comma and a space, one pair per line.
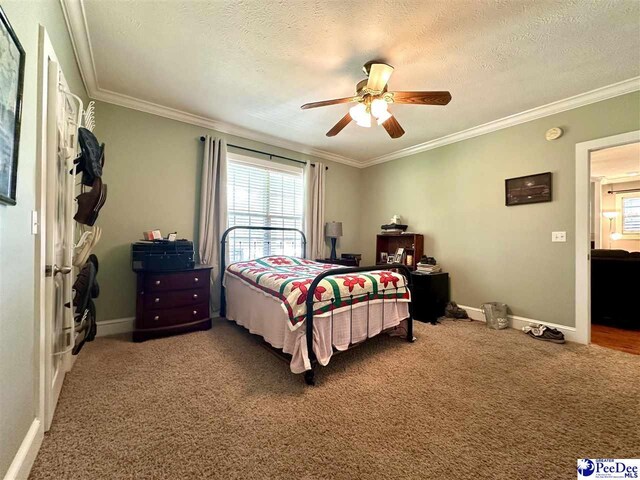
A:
616, 162
253, 63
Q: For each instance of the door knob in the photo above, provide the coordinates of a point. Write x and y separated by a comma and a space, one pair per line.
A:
52, 271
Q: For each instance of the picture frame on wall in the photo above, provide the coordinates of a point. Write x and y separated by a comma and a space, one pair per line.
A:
528, 189
12, 63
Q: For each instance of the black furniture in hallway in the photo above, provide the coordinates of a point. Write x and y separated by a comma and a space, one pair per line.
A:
615, 280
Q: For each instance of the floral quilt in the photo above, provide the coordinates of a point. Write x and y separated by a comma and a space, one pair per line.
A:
288, 279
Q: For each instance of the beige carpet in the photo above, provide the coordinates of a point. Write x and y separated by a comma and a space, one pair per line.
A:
461, 402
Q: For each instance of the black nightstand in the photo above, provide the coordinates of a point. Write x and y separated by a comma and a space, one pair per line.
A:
429, 295
346, 262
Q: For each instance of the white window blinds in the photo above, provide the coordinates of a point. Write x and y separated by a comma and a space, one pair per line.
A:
264, 194
631, 214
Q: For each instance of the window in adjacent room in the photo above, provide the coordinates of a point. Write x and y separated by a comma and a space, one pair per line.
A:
628, 205
263, 193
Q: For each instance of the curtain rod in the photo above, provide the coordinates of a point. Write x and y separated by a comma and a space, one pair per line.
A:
625, 191
270, 155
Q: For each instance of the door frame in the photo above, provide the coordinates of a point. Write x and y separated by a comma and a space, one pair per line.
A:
44, 54
582, 244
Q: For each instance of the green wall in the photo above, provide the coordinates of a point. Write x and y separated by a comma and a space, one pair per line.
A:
18, 371
454, 195
152, 170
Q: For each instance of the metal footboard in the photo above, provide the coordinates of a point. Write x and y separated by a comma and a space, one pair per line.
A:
390, 293
309, 375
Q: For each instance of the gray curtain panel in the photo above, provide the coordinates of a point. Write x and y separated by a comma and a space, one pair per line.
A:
314, 178
213, 211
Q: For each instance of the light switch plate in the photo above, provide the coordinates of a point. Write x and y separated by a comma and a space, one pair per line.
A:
558, 236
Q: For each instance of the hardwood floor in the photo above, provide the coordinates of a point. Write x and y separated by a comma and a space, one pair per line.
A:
616, 338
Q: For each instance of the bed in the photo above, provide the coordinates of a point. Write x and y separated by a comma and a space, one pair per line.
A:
307, 310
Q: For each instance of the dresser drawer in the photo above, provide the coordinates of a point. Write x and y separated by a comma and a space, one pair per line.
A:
175, 298
158, 282
174, 316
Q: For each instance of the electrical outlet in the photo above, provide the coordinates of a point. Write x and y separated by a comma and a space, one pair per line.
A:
558, 236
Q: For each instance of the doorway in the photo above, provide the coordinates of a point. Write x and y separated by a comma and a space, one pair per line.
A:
615, 253
603, 165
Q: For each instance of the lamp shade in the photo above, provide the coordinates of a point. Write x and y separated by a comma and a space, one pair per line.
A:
333, 229
612, 214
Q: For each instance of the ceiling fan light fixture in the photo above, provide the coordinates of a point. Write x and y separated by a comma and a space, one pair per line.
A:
358, 111
364, 120
360, 115
379, 108
383, 117
372, 98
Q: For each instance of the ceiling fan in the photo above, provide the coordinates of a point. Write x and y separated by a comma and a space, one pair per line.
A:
373, 99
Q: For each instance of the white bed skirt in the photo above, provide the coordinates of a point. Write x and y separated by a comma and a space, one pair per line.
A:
263, 315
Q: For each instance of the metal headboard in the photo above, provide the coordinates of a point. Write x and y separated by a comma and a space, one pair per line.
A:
223, 253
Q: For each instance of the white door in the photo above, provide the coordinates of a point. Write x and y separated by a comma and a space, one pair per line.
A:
60, 117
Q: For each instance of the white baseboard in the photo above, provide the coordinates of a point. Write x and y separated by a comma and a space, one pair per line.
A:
115, 326
26, 454
519, 322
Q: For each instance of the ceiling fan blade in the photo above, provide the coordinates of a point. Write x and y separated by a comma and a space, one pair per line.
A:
422, 98
379, 75
324, 103
337, 128
393, 128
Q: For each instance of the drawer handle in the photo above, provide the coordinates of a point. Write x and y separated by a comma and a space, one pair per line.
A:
157, 282
195, 295
157, 300
196, 279
195, 312
156, 318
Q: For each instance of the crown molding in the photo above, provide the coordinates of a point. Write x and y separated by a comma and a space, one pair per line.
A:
222, 127
75, 18
597, 95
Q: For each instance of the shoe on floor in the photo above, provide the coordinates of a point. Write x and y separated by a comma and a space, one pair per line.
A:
542, 332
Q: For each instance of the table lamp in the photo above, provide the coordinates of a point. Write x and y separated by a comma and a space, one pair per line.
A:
333, 230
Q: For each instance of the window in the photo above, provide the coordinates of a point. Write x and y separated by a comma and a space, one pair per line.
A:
629, 205
262, 193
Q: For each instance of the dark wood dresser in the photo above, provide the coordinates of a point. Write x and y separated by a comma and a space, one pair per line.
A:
172, 302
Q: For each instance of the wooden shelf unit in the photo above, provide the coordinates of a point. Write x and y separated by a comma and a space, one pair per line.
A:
413, 243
